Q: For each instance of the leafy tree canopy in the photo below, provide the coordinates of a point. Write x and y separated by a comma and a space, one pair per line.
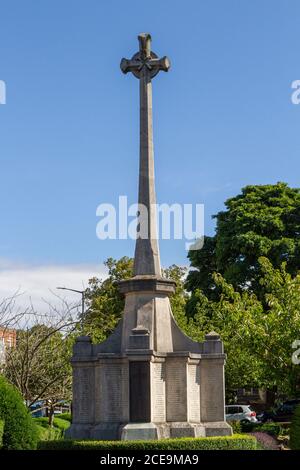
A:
39, 366
263, 220
259, 344
104, 301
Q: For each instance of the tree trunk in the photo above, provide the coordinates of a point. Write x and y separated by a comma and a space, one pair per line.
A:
50, 416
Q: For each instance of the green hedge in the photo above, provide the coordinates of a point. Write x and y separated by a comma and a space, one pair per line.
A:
295, 430
61, 424
19, 431
48, 434
235, 442
65, 416
1, 432
42, 421
273, 429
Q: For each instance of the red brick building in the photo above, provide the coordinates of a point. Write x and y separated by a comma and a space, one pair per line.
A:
8, 339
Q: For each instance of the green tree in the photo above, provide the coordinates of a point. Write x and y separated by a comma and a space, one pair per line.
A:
258, 343
39, 366
261, 221
180, 297
105, 304
234, 316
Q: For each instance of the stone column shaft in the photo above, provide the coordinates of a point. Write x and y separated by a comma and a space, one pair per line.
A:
146, 259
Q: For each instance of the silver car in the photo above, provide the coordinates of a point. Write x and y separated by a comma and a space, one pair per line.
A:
241, 413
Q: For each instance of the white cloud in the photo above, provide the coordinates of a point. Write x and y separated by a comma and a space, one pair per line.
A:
35, 283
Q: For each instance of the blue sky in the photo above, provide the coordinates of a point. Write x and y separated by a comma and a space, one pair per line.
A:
223, 116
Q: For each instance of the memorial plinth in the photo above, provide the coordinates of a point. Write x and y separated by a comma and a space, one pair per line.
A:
148, 380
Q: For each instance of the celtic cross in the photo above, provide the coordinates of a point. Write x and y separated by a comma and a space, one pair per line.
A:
144, 65
145, 60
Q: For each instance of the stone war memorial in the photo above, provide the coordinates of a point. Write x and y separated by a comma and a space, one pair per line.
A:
148, 380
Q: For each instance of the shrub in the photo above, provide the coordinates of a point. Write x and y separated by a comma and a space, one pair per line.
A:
41, 421
274, 429
1, 432
295, 430
47, 433
57, 423
19, 430
236, 426
247, 426
61, 424
65, 416
236, 442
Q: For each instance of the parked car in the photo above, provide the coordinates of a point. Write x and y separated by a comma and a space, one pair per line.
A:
242, 413
281, 413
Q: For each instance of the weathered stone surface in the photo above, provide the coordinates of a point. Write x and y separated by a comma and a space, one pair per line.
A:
212, 389
105, 431
83, 393
220, 428
213, 344
148, 283
111, 396
140, 431
177, 389
158, 391
193, 391
186, 430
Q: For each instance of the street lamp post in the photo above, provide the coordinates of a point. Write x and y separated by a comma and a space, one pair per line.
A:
82, 292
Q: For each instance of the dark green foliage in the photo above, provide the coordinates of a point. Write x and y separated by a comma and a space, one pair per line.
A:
236, 426
236, 442
249, 427
295, 430
263, 220
19, 430
273, 429
47, 433
104, 301
205, 262
65, 416
61, 424
42, 421
179, 299
258, 343
1, 432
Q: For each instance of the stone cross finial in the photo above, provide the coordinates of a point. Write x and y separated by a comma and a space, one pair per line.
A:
145, 65
145, 59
